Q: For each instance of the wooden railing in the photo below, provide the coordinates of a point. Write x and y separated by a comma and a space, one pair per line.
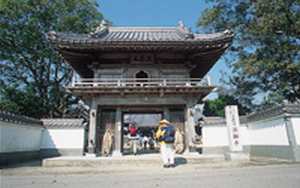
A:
141, 82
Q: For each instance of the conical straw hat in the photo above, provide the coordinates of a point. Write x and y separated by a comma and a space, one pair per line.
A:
164, 121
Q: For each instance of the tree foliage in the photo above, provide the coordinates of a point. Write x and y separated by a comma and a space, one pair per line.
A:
216, 107
265, 54
32, 73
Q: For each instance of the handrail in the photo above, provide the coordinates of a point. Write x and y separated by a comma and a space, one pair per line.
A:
139, 82
137, 79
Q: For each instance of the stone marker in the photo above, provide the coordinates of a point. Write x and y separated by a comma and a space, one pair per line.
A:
233, 127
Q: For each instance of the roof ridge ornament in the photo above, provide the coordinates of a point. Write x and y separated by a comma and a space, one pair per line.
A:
101, 29
181, 24
188, 34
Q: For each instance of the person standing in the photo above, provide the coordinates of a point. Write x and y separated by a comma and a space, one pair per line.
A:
151, 143
133, 136
165, 134
145, 141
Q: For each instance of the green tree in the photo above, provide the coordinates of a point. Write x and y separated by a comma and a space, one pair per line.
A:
265, 54
216, 107
32, 74
24, 101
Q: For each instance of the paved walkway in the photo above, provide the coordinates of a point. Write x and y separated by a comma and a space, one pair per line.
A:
129, 160
260, 175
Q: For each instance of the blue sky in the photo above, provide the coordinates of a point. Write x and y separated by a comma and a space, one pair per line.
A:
158, 13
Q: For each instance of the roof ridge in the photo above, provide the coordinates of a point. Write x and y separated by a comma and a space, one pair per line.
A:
142, 28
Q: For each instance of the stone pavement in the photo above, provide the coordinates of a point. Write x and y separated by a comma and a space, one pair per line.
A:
84, 165
254, 174
130, 160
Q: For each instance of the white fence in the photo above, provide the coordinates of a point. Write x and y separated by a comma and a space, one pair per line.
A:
23, 138
296, 127
275, 134
57, 142
19, 137
268, 132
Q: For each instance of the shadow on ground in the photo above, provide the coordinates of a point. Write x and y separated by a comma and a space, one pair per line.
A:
33, 163
180, 161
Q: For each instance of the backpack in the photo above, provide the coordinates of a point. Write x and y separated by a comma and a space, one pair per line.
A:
169, 134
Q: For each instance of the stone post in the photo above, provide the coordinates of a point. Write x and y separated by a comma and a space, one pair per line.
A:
188, 128
92, 131
118, 133
233, 127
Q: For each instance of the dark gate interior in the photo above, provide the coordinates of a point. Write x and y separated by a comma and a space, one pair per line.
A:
177, 117
146, 124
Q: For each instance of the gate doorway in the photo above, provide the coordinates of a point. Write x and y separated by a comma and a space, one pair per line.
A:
144, 141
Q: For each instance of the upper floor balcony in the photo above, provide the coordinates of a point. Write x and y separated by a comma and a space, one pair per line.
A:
123, 86
140, 82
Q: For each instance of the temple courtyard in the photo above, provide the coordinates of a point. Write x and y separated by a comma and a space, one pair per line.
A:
257, 173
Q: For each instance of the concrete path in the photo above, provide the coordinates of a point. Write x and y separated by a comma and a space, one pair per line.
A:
129, 160
188, 176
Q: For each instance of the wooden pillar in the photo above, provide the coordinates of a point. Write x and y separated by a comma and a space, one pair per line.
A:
166, 113
118, 133
92, 131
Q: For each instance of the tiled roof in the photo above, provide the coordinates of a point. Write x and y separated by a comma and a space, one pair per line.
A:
276, 110
214, 120
114, 35
217, 120
19, 119
63, 123
142, 34
83, 50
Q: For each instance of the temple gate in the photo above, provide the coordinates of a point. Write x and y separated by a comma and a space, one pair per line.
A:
146, 69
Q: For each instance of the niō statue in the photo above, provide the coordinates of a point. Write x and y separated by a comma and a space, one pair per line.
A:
107, 142
179, 141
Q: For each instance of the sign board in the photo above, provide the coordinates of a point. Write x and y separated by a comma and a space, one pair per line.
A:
233, 127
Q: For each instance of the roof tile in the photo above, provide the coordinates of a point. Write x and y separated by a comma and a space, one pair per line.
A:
63, 123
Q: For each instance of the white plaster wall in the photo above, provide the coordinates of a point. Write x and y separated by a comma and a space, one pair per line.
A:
62, 138
244, 135
18, 137
268, 132
215, 135
296, 128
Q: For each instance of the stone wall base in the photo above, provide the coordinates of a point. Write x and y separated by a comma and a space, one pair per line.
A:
46, 153
237, 156
281, 152
214, 150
